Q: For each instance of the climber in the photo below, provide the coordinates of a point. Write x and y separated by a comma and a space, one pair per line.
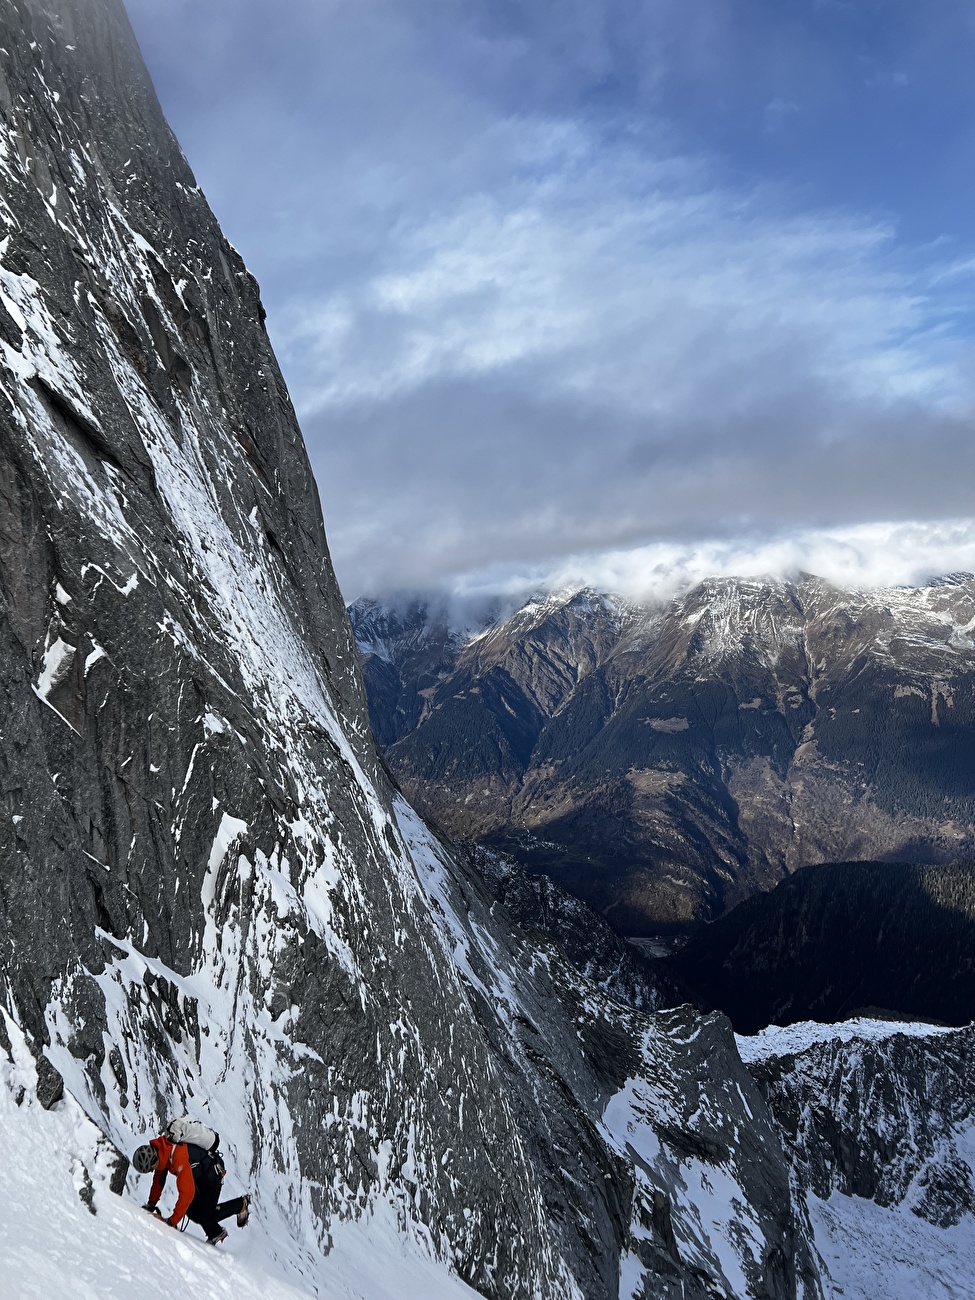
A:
189, 1151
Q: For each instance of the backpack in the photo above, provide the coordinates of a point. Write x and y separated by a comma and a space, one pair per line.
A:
185, 1129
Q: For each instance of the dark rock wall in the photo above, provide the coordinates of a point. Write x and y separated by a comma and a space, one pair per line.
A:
197, 861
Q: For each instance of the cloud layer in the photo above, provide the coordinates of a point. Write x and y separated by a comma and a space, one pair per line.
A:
863, 557
527, 315
608, 353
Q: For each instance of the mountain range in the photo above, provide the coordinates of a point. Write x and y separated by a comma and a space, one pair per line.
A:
666, 760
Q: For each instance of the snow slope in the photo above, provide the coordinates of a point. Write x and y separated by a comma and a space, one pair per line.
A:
53, 1245
873, 1252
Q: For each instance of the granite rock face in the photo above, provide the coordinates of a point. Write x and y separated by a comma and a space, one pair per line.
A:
211, 897
664, 762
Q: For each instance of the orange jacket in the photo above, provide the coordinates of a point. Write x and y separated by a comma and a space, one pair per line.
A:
173, 1159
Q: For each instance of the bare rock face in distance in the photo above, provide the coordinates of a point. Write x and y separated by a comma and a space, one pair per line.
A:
879, 1114
665, 761
211, 898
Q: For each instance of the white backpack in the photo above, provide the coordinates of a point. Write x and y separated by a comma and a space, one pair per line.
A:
185, 1129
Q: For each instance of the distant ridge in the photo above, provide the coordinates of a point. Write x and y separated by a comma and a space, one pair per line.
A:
836, 941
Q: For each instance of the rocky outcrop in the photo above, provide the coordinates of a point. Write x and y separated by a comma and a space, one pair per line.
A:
884, 1112
663, 763
698, 1197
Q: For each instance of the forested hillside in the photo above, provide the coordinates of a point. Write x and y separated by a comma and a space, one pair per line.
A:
841, 940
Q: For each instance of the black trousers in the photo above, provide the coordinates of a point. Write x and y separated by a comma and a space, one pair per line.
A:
207, 1212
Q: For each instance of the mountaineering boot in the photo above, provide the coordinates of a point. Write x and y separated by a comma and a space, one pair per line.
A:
244, 1213
215, 1241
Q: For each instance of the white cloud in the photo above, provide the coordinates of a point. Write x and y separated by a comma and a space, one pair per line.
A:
631, 282
610, 350
522, 322
863, 557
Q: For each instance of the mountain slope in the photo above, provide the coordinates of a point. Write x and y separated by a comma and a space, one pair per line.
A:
880, 1121
835, 940
664, 762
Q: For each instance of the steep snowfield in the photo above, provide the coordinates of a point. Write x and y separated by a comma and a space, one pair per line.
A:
877, 1253
52, 1247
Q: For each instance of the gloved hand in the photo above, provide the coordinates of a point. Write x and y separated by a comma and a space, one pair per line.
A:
173, 1222
152, 1209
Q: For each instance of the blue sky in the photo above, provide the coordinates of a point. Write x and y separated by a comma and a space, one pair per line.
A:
605, 289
